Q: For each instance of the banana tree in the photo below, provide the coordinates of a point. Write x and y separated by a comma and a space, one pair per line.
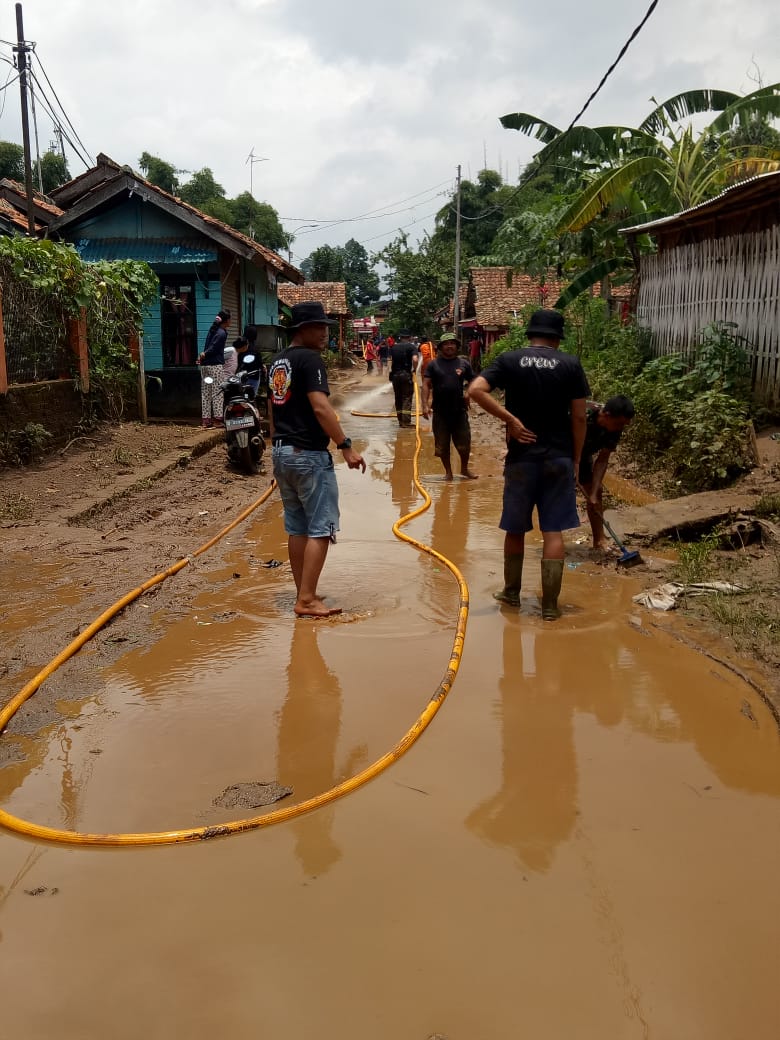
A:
657, 167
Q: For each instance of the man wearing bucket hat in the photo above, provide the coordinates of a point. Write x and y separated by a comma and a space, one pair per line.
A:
545, 393
302, 425
444, 381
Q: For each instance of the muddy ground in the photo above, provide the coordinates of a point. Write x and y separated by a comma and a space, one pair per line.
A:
127, 501
561, 854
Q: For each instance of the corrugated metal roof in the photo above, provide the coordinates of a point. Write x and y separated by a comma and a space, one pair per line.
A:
152, 251
734, 190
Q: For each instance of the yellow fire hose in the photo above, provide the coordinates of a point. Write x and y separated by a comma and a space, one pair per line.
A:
64, 837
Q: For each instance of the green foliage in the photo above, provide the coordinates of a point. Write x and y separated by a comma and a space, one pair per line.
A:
201, 188
11, 161
159, 172
20, 447
348, 263
710, 446
767, 506
58, 284
420, 282
54, 171
259, 220
695, 559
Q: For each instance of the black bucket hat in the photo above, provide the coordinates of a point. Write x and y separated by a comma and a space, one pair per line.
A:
545, 323
309, 314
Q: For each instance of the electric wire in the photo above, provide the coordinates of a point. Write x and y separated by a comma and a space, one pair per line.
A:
191, 834
62, 109
360, 216
44, 100
537, 169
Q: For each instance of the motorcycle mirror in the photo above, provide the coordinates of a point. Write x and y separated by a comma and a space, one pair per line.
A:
208, 380
248, 359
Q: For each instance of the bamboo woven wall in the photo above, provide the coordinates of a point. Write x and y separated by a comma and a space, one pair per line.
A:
736, 279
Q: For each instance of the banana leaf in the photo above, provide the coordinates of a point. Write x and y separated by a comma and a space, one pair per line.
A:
605, 189
588, 278
688, 103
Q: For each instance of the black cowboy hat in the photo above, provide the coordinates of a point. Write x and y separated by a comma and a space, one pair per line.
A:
309, 314
545, 323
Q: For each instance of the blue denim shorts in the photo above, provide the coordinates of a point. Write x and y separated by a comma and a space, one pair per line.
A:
545, 481
310, 494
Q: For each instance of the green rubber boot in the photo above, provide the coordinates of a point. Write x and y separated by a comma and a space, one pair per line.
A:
513, 580
552, 576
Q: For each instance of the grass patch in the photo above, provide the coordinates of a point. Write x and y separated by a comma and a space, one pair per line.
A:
695, 559
15, 508
750, 624
767, 506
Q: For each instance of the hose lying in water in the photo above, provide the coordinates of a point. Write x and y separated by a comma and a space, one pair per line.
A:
64, 837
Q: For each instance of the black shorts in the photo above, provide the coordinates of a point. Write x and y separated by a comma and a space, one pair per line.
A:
585, 475
545, 481
451, 427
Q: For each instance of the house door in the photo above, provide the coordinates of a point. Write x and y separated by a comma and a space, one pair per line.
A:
179, 322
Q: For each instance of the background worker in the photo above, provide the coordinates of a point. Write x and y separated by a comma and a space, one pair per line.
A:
546, 392
427, 353
403, 360
604, 425
444, 382
211, 360
303, 423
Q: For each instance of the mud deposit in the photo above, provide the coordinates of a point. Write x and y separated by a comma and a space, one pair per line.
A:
584, 844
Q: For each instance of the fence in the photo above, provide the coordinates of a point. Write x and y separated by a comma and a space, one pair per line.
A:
38, 342
733, 279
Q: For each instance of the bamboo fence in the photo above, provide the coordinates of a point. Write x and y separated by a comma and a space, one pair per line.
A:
732, 279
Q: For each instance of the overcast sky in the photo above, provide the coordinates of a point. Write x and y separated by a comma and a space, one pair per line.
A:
360, 105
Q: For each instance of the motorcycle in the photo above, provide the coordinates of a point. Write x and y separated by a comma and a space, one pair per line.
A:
243, 435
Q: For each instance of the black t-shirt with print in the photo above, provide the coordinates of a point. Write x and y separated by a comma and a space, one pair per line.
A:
293, 375
449, 377
596, 437
540, 383
401, 355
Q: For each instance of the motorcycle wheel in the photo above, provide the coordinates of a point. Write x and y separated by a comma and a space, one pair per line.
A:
247, 460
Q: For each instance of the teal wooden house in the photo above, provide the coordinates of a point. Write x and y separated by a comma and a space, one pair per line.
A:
111, 213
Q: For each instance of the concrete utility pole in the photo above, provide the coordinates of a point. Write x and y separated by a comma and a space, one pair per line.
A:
22, 49
456, 301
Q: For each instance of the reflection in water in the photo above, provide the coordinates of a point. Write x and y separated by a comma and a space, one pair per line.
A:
309, 729
541, 688
449, 532
402, 472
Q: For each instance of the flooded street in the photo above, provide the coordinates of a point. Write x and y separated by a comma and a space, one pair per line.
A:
585, 843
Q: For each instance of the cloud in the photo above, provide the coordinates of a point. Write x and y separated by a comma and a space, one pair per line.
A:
362, 104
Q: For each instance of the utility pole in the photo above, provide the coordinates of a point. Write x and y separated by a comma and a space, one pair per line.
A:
456, 301
22, 49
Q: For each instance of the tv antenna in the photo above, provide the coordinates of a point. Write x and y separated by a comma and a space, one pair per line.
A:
252, 159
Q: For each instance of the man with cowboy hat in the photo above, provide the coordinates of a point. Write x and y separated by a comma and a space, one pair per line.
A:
545, 394
302, 425
445, 380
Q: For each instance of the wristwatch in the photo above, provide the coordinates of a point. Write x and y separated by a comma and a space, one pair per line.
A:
346, 443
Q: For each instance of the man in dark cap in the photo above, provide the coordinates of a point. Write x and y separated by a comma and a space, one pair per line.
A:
545, 394
303, 423
403, 360
444, 382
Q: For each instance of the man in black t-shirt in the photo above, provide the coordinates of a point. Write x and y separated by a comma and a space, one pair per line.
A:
605, 424
545, 394
403, 359
444, 380
302, 425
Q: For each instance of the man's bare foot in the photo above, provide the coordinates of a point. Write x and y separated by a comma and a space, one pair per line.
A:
315, 608
448, 474
468, 475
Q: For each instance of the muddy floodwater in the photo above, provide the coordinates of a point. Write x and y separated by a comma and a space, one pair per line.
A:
584, 844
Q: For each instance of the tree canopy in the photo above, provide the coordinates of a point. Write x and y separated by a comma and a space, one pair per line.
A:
348, 263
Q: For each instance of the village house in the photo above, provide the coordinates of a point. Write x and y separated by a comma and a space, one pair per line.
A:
718, 261
332, 295
112, 213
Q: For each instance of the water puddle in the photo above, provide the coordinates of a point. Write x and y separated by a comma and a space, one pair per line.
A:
585, 842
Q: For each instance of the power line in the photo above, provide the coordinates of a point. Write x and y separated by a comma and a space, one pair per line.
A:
44, 100
378, 216
59, 103
368, 213
537, 169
